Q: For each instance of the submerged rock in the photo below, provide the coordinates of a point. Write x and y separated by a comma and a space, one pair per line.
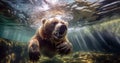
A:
12, 52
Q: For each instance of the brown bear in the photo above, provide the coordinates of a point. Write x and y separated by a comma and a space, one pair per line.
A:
50, 39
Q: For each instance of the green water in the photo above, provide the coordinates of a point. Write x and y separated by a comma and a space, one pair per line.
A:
95, 36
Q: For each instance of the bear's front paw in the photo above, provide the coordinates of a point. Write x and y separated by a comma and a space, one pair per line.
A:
34, 53
34, 56
64, 48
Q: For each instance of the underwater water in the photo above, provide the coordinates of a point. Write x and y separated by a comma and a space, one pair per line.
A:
94, 29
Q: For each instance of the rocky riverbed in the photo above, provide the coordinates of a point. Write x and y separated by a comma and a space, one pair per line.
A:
16, 52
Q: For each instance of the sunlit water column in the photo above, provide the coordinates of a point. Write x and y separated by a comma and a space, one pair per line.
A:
84, 40
17, 33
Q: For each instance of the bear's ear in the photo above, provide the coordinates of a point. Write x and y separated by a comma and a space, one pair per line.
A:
43, 21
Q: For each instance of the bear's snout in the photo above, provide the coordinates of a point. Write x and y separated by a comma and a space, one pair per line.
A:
60, 31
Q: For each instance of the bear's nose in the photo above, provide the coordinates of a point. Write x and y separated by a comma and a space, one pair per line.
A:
62, 29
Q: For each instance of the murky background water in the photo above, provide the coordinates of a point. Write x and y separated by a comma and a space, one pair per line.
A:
94, 28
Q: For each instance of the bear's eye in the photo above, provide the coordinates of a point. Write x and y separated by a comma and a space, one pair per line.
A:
54, 23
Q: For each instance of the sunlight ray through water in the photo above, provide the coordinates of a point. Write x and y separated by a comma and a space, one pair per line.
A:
89, 30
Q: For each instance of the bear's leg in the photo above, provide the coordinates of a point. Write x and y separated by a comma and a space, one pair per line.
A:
34, 50
64, 48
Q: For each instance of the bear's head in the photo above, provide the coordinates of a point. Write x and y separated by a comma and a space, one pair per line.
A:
54, 28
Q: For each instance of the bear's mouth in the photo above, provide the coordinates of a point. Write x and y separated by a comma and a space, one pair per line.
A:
58, 35
60, 32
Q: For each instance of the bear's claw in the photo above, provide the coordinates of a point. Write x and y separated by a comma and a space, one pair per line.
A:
63, 48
